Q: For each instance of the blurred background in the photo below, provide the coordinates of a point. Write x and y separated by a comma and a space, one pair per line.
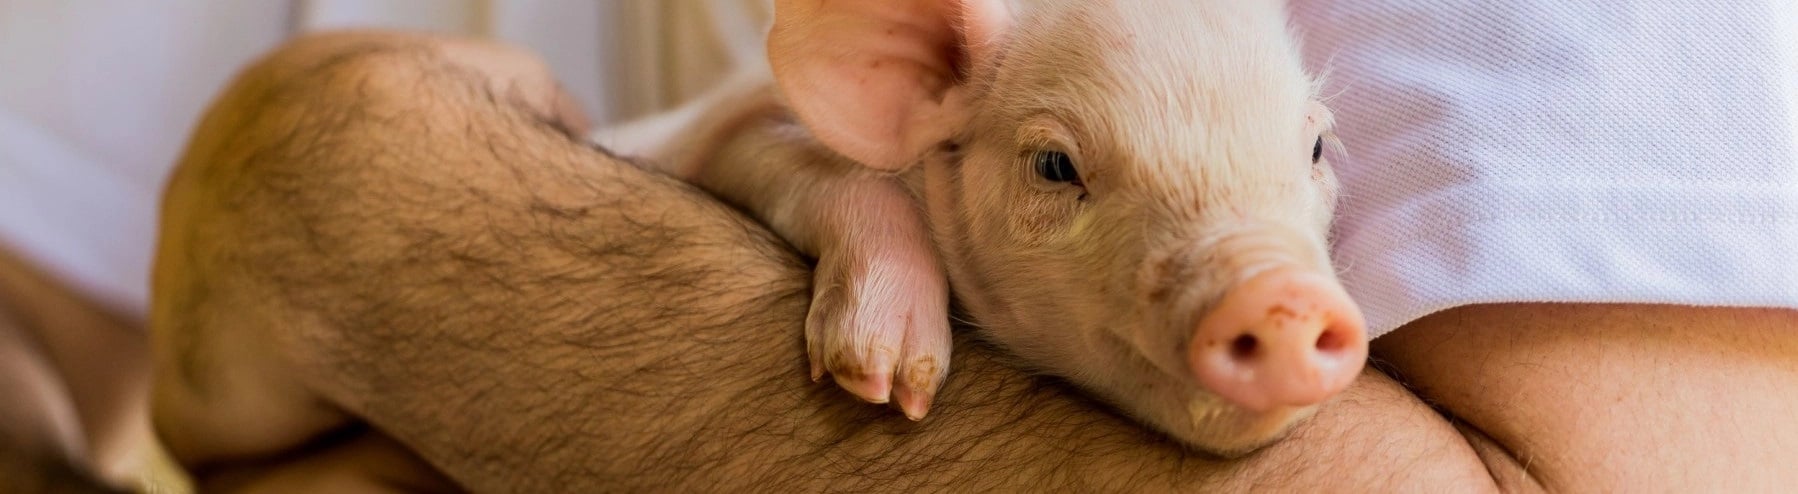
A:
108, 90
97, 98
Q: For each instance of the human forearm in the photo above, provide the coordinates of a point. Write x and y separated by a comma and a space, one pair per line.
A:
570, 319
412, 248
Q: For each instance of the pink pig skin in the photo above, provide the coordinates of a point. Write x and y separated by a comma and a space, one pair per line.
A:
1178, 268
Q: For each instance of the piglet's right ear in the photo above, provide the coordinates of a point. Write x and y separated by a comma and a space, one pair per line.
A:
881, 81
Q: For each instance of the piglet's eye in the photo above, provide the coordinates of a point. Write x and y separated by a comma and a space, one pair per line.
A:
1317, 151
1056, 166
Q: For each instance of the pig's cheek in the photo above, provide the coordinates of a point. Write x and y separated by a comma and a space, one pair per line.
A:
1027, 215
1326, 194
1327, 183
1037, 222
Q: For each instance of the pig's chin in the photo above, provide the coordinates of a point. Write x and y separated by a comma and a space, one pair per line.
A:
1228, 431
1156, 395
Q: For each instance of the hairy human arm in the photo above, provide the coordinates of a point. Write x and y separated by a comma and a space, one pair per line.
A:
380, 229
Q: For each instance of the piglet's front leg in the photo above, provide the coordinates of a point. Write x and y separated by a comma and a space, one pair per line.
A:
879, 321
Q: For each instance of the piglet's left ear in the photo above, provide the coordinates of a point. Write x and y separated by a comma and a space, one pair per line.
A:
882, 81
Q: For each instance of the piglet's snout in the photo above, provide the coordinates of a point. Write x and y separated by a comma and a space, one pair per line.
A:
1285, 338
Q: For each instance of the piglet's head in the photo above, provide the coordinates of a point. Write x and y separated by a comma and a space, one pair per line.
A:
1131, 195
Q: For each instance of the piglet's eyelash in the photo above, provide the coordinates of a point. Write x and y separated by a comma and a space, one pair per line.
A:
1055, 166
1328, 145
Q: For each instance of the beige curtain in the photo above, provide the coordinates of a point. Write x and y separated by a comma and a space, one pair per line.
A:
623, 58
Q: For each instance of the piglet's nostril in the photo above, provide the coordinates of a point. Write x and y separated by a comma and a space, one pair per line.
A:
1283, 338
1331, 341
1244, 347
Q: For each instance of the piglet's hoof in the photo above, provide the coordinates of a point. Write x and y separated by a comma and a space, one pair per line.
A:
879, 325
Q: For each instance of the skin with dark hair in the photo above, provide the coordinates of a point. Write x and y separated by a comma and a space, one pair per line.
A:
388, 263
384, 231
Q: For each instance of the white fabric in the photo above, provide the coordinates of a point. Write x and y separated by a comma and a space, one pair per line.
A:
1562, 150
95, 101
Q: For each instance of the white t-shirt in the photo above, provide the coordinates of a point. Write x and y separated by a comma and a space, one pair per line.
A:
1528, 150
1562, 151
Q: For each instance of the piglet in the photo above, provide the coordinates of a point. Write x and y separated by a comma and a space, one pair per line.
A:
1130, 195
